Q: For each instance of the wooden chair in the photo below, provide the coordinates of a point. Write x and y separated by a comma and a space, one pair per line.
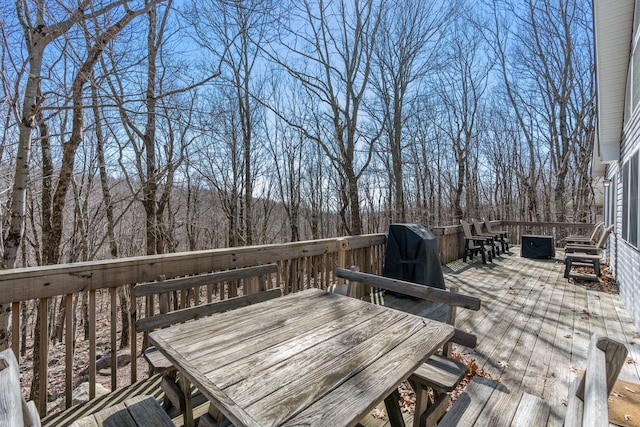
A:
591, 249
486, 402
583, 239
503, 235
14, 410
582, 255
474, 245
439, 372
477, 228
165, 288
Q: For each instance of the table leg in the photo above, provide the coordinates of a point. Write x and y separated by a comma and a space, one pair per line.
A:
211, 419
422, 402
188, 406
393, 409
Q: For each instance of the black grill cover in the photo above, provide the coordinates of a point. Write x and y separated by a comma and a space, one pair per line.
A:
412, 255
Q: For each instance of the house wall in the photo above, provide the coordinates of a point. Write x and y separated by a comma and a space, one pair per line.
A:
623, 248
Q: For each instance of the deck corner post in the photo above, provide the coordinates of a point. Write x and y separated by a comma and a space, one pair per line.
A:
342, 246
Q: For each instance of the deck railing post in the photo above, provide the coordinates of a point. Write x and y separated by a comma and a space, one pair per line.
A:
342, 247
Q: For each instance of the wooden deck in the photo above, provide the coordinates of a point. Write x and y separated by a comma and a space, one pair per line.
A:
534, 326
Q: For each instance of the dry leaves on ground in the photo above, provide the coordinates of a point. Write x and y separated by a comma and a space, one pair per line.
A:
473, 371
605, 283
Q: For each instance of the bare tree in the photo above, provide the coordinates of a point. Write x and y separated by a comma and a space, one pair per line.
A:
462, 86
38, 34
406, 50
233, 33
548, 73
329, 50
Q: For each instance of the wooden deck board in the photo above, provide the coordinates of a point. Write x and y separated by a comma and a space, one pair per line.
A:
633, 339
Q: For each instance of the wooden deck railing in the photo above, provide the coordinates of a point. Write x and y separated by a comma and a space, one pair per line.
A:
300, 265
451, 238
559, 230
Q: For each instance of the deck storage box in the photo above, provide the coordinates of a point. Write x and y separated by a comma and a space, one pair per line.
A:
532, 246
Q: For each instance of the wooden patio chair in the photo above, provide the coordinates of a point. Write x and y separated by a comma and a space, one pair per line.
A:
439, 373
477, 227
588, 256
504, 238
591, 249
584, 239
474, 245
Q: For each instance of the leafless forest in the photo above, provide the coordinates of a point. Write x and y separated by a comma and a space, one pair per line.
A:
132, 127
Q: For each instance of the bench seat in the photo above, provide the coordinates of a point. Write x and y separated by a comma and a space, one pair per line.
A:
441, 373
147, 387
139, 411
582, 260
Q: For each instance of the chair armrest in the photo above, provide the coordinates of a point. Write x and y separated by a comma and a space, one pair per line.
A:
30, 415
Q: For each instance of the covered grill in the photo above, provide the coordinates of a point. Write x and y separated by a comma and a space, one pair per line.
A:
412, 255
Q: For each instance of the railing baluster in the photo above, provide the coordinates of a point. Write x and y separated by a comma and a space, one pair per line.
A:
92, 344
69, 349
44, 352
114, 338
133, 316
15, 329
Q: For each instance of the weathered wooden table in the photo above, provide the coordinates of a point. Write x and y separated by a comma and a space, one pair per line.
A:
309, 358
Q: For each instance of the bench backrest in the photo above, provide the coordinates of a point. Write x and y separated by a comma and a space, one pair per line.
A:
605, 235
587, 403
163, 288
450, 298
599, 225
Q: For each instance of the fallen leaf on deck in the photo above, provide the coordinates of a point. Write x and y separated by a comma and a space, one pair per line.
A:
379, 414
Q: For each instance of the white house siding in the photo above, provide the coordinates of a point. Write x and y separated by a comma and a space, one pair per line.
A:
624, 258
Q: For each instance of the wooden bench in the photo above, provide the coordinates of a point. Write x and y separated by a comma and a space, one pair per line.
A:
486, 402
439, 373
139, 411
588, 395
165, 288
582, 260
